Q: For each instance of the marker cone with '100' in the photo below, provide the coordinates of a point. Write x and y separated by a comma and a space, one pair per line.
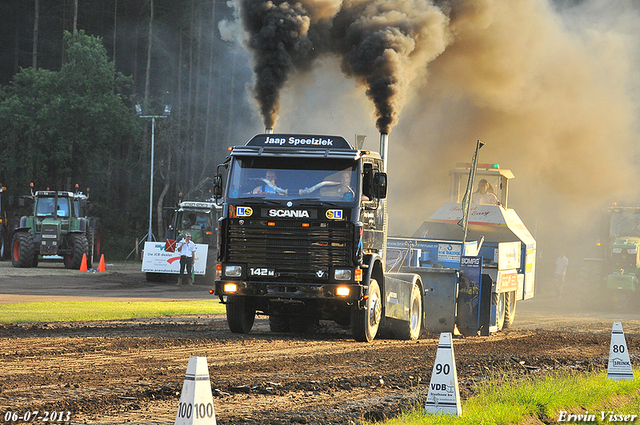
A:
444, 394
196, 401
619, 368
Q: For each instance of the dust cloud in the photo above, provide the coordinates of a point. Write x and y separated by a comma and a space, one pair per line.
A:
551, 88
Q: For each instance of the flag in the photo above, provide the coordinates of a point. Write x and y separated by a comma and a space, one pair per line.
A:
466, 201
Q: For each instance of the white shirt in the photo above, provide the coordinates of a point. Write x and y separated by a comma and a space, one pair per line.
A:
187, 248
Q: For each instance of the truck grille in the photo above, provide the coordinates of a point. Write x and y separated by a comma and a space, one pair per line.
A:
296, 252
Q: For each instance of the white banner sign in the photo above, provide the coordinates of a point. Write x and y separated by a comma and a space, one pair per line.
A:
157, 260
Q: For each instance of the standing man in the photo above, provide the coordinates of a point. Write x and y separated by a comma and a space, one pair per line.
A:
561, 270
187, 250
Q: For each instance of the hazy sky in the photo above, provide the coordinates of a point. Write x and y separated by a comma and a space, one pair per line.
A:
552, 91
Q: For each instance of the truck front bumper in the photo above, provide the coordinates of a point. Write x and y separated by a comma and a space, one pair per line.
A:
293, 291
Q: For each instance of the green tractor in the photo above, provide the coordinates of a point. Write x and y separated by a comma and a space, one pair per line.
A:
614, 271
54, 229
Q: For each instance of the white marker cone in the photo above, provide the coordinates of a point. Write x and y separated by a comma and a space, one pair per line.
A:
196, 401
619, 368
444, 394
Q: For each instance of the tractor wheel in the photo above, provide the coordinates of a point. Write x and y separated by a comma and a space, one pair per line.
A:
410, 330
78, 245
23, 250
4, 244
89, 236
279, 324
96, 227
592, 280
365, 322
510, 308
240, 314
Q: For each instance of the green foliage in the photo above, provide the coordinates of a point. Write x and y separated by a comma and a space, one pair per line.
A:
517, 400
58, 128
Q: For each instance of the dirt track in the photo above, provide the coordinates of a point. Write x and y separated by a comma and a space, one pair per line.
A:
132, 371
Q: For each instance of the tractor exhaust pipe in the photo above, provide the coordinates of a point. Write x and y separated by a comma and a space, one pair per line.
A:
268, 130
384, 150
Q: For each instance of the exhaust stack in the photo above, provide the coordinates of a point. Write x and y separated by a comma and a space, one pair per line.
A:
268, 130
384, 150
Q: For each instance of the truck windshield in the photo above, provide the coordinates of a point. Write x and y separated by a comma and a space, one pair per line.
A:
294, 178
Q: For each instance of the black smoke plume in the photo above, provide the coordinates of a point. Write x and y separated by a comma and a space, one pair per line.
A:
383, 44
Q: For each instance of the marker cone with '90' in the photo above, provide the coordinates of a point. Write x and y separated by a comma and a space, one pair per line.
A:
444, 394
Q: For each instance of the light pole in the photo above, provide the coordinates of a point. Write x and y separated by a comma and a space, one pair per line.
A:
167, 110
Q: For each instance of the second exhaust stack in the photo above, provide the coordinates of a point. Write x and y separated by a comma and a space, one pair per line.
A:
384, 150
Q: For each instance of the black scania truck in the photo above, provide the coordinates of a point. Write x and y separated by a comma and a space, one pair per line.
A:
302, 238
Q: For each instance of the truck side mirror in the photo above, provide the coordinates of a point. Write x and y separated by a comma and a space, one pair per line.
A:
217, 186
380, 185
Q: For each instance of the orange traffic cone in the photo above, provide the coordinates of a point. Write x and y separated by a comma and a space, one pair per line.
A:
83, 264
101, 265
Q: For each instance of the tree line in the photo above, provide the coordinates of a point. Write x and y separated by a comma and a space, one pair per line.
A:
71, 73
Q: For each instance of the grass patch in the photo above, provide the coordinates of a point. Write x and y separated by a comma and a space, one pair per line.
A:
517, 400
68, 311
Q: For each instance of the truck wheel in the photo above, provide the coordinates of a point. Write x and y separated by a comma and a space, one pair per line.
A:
498, 301
510, 308
240, 314
78, 245
410, 330
210, 272
365, 322
279, 323
23, 250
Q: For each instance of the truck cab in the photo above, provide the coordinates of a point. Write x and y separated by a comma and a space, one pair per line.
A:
302, 234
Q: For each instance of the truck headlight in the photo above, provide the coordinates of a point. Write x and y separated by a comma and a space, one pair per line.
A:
617, 250
632, 251
342, 274
230, 288
233, 271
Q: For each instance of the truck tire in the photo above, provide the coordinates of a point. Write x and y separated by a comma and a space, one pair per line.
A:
365, 322
240, 314
510, 308
210, 272
23, 250
78, 245
499, 302
410, 330
279, 324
